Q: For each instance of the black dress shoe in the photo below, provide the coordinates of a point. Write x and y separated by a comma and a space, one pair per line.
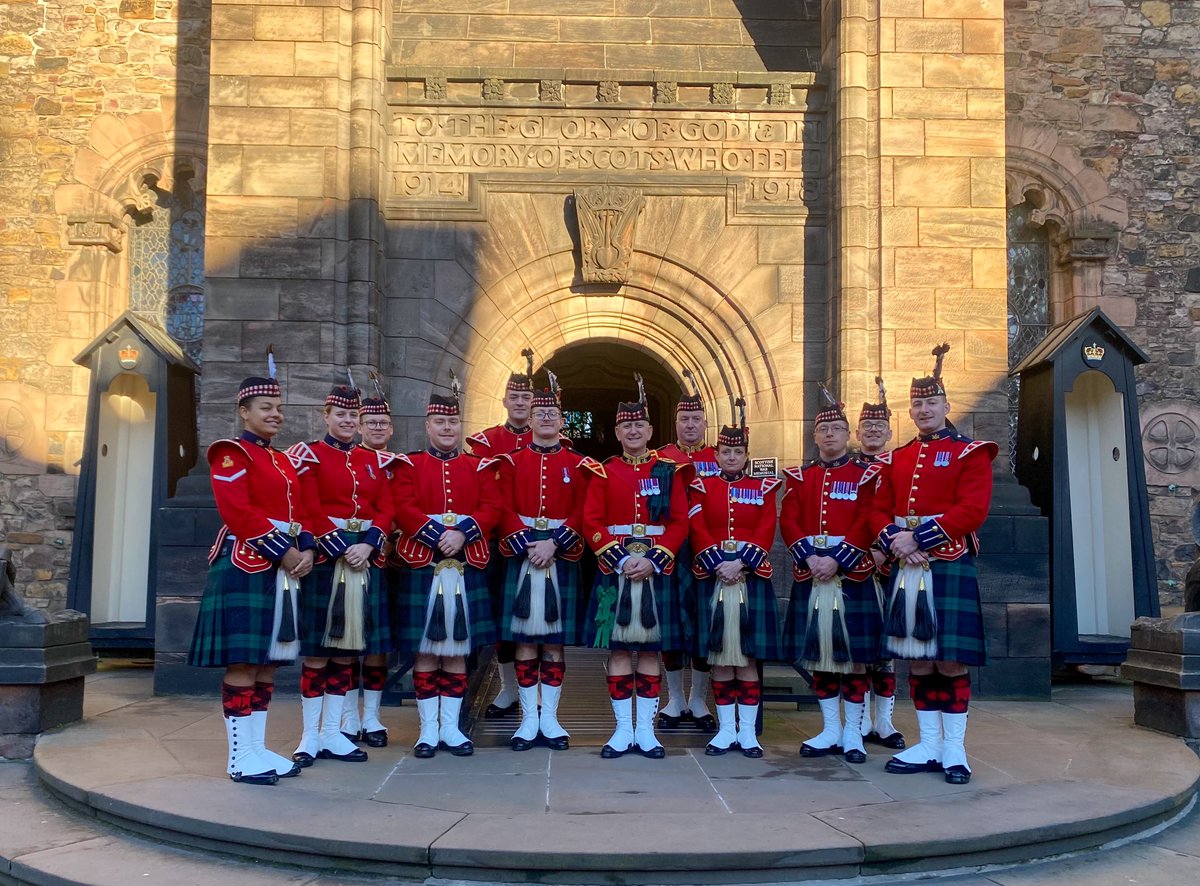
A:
752, 753
465, 749
562, 743
807, 750
958, 775
424, 751
854, 755
608, 752
291, 773
521, 744
376, 739
655, 753
303, 759
707, 723
494, 713
666, 721
259, 778
358, 755
895, 741
713, 751
355, 737
899, 767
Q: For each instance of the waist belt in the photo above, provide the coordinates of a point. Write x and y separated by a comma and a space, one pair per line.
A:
352, 525
293, 528
732, 545
825, 541
540, 522
447, 519
912, 522
637, 530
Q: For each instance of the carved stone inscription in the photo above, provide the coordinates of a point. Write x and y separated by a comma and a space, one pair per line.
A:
434, 152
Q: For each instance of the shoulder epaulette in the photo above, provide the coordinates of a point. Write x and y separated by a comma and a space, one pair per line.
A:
698, 485
977, 444
508, 456
301, 454
481, 437
384, 458
665, 459
870, 473
590, 464
769, 484
486, 462
795, 472
217, 445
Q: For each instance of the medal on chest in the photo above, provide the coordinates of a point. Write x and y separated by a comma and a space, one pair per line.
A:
648, 486
707, 468
741, 496
941, 459
566, 476
844, 490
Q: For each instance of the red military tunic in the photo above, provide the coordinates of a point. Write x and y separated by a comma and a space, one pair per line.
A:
499, 440
540, 485
694, 461
617, 497
830, 499
733, 515
941, 484
258, 497
346, 487
437, 491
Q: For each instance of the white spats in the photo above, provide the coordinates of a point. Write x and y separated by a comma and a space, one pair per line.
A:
427, 713
245, 763
698, 696
929, 748
852, 737
954, 733
528, 729
310, 736
449, 733
674, 707
727, 732
548, 718
830, 735
508, 686
747, 715
622, 737
332, 740
644, 730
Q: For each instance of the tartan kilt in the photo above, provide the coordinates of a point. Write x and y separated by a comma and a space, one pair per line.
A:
314, 609
667, 608
412, 596
864, 621
959, 612
237, 613
688, 587
497, 573
569, 600
764, 618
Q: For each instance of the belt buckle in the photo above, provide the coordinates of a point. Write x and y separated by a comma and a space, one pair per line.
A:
821, 541
294, 529
912, 522
636, 547
449, 518
354, 525
729, 546
541, 523
639, 530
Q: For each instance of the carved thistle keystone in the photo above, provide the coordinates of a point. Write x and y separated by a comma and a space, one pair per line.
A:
607, 216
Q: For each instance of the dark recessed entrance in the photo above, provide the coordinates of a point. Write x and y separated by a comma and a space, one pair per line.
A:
595, 376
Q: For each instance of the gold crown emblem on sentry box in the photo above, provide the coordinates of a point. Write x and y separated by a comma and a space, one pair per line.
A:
128, 355
1093, 353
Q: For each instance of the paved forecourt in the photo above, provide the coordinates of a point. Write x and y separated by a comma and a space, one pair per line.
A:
1049, 778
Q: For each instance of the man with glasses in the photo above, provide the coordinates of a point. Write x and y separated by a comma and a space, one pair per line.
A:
834, 623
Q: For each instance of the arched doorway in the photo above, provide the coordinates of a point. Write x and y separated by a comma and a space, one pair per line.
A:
595, 376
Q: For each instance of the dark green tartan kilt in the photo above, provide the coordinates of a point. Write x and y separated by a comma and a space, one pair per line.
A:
689, 605
864, 621
667, 608
237, 613
412, 597
959, 612
569, 601
764, 618
314, 611
497, 570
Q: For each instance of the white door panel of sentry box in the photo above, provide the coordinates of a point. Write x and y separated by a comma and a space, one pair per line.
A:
124, 483
1100, 529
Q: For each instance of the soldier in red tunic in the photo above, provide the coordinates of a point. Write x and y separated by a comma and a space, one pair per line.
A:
733, 527
874, 433
932, 499
542, 486
248, 622
834, 621
635, 518
345, 611
696, 459
490, 443
447, 505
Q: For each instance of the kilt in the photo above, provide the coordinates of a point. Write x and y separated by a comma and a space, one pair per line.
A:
959, 612
496, 573
412, 596
864, 621
567, 574
667, 608
688, 587
764, 618
314, 609
236, 616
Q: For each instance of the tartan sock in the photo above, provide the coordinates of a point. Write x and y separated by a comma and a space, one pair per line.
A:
374, 678
425, 684
854, 688
672, 661
960, 694
337, 678
924, 689
621, 687
649, 685
237, 701
725, 691
826, 684
527, 672
261, 699
312, 681
749, 692
355, 674
453, 685
883, 683
553, 672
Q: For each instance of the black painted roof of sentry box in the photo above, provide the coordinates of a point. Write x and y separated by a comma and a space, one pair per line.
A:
149, 331
1065, 333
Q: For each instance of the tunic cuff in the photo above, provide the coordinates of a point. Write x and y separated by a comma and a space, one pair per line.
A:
612, 556
801, 551
660, 558
930, 535
884, 539
753, 556
273, 545
565, 537
848, 556
709, 558
470, 529
375, 538
332, 545
306, 541
429, 534
518, 542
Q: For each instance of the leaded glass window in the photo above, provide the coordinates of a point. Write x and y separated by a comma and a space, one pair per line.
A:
1028, 300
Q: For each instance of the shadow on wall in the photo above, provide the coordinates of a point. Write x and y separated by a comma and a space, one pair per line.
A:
786, 33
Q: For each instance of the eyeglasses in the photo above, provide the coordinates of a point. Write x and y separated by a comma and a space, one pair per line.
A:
542, 415
874, 426
377, 425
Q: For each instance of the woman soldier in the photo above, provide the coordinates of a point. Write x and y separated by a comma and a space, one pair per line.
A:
248, 615
345, 608
733, 528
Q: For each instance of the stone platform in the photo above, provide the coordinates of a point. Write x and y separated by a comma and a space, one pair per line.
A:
1049, 778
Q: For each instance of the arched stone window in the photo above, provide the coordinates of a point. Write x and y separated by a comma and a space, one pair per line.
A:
1028, 298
